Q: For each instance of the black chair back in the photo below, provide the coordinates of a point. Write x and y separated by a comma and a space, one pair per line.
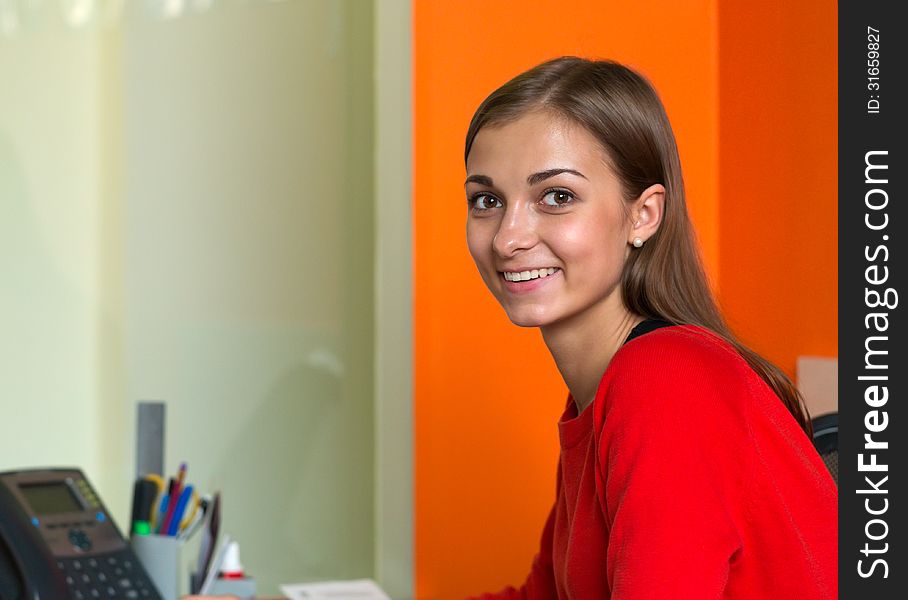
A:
826, 441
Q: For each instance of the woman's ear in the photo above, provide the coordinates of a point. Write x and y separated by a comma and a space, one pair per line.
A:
648, 211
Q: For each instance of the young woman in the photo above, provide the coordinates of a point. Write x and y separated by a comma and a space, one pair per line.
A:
687, 468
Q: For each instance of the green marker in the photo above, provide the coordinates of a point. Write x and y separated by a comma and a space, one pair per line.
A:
141, 528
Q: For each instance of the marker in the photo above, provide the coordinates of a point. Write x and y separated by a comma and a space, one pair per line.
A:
143, 497
141, 528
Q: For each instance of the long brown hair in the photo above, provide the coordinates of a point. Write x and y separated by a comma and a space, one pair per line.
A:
665, 278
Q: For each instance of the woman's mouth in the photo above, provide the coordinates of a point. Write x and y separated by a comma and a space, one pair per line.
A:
529, 279
528, 275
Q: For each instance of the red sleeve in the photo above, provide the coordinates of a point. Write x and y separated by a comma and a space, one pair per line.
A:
673, 463
540, 585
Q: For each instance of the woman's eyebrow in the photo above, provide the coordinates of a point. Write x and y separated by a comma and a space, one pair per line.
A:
531, 180
480, 179
543, 175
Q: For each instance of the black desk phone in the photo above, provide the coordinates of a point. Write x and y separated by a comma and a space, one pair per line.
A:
58, 542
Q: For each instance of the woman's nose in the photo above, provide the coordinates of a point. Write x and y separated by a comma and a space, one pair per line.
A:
516, 232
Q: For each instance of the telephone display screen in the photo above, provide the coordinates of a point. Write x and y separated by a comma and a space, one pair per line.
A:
50, 498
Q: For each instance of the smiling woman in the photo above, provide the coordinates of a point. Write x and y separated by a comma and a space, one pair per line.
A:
569, 220
577, 224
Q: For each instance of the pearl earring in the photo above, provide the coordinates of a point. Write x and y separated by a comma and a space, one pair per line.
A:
638, 242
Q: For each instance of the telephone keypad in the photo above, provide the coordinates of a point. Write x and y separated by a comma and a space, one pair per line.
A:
80, 539
110, 576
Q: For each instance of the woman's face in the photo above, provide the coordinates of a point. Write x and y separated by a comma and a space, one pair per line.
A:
547, 224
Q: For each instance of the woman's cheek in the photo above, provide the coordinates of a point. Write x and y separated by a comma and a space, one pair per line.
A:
479, 244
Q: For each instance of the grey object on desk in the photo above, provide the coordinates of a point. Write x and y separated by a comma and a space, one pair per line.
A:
150, 438
243, 588
161, 557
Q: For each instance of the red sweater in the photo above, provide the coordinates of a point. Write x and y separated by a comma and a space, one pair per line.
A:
686, 478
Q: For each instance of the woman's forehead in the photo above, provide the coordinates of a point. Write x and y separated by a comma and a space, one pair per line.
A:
534, 142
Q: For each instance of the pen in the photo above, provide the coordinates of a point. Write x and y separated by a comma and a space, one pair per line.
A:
165, 507
174, 498
181, 475
177, 518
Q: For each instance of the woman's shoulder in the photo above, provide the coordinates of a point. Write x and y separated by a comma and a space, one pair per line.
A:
680, 362
678, 347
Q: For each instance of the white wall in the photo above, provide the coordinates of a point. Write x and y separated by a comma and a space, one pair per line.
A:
54, 301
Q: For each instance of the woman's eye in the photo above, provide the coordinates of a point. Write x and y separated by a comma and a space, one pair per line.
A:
557, 198
484, 202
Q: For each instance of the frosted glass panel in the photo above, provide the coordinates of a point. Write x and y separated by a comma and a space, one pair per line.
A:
248, 287
187, 217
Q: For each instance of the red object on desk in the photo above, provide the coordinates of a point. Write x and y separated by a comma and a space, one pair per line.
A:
176, 488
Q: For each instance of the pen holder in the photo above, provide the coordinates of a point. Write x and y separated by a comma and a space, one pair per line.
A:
161, 555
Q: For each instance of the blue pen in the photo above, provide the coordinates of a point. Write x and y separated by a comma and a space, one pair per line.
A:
180, 510
165, 500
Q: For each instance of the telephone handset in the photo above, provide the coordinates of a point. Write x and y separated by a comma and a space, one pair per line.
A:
58, 542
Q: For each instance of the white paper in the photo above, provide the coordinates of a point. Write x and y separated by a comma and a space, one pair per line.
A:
357, 589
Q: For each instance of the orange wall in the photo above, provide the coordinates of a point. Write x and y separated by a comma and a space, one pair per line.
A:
487, 395
751, 92
778, 175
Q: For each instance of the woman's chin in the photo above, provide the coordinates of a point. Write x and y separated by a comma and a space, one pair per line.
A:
524, 318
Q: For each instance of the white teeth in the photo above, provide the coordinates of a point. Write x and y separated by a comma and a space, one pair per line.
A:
528, 275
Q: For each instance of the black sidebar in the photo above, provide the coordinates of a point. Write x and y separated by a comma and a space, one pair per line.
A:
873, 366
